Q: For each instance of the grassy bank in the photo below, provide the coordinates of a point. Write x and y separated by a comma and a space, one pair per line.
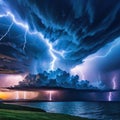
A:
18, 107
15, 112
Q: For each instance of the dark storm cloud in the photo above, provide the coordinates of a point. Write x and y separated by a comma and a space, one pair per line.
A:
12, 56
9, 63
76, 27
79, 27
54, 79
111, 62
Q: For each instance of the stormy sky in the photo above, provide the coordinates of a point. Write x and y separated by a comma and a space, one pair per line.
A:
78, 36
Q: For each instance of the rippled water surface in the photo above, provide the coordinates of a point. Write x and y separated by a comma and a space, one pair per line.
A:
96, 110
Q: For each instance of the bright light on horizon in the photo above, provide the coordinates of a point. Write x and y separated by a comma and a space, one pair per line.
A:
50, 94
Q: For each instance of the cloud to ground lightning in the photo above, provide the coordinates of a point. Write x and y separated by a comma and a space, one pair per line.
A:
78, 37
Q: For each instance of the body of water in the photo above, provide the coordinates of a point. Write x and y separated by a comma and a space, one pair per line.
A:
94, 110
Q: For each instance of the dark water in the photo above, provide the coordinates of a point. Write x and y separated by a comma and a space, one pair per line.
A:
96, 110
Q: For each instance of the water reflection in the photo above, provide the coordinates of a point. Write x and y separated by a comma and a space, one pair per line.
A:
91, 110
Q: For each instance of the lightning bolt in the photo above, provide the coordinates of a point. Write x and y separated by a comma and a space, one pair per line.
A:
50, 95
87, 60
17, 95
9, 28
116, 42
78, 70
24, 95
114, 82
52, 51
25, 39
114, 88
110, 96
54, 58
23, 25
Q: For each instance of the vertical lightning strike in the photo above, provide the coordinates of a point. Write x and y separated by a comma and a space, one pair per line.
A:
110, 96
17, 95
25, 39
114, 82
24, 95
78, 70
114, 88
53, 56
88, 60
51, 50
9, 28
50, 96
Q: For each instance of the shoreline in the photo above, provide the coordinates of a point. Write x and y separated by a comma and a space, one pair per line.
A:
15, 101
12, 111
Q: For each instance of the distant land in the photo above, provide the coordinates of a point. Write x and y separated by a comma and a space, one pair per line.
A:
66, 94
60, 88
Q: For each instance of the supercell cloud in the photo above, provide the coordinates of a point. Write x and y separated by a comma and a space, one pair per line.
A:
70, 31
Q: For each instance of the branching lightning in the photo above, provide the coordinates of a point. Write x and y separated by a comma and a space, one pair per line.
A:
88, 60
53, 56
9, 28
25, 26
52, 51
116, 42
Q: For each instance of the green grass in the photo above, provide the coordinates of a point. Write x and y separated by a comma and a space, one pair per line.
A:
8, 112
18, 107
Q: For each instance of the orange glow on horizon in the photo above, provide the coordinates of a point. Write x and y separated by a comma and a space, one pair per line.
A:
3, 96
18, 95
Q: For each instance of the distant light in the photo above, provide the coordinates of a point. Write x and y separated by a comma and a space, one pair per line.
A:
110, 96
51, 93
